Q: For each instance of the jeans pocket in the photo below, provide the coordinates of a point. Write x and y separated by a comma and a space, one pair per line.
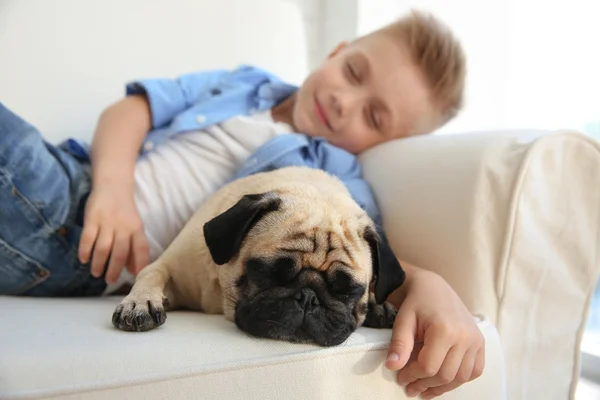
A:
18, 273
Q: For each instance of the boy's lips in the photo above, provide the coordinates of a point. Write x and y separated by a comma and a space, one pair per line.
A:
321, 115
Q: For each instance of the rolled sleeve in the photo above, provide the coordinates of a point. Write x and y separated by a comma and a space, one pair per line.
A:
165, 97
169, 97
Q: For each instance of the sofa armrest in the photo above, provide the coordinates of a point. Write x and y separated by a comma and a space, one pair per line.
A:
445, 202
511, 221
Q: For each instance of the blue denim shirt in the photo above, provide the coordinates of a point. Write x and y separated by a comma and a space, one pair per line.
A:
200, 99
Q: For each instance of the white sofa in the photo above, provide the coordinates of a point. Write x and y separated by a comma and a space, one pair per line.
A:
510, 219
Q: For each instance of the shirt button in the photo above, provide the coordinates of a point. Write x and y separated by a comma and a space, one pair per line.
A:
148, 146
215, 92
200, 119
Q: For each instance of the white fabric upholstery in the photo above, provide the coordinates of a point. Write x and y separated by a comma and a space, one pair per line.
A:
68, 349
511, 220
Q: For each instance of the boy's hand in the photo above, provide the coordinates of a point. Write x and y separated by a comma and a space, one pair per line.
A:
449, 347
113, 227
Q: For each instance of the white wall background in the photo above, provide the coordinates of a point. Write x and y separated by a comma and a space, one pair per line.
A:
63, 61
532, 63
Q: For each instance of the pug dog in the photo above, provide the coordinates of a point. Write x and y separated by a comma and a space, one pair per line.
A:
286, 254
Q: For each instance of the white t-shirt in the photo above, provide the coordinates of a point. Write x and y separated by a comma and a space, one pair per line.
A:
172, 181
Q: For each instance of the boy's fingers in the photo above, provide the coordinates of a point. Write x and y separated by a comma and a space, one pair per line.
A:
479, 364
402, 342
118, 257
130, 264
462, 376
455, 362
436, 346
101, 252
141, 251
86, 242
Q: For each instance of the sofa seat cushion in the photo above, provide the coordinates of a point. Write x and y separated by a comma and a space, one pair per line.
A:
68, 348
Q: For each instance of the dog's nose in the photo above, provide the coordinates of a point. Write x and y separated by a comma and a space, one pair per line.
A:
307, 299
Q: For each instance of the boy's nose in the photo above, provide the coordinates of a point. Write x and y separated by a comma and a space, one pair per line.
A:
343, 104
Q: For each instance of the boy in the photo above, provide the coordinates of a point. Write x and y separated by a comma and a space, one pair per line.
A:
159, 152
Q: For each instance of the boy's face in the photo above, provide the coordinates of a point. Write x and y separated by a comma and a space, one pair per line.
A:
365, 93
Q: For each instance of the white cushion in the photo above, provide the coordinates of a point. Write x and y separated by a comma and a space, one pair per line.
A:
68, 348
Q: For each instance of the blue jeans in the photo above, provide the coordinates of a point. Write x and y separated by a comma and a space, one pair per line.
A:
43, 191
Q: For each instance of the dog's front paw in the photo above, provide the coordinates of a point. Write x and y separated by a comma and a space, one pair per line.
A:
140, 312
380, 315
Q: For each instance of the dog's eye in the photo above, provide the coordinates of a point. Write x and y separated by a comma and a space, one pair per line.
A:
284, 270
265, 273
343, 284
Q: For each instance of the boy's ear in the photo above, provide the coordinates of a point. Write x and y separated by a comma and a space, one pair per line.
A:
341, 46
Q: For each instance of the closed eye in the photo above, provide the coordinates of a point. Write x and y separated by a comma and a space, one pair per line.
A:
353, 73
265, 273
343, 284
373, 118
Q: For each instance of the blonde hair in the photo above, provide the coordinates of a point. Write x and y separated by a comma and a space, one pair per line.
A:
439, 56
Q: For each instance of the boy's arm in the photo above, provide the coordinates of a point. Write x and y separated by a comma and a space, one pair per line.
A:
112, 225
117, 140
113, 229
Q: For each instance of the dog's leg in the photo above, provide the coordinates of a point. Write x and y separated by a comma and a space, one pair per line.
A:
380, 315
144, 307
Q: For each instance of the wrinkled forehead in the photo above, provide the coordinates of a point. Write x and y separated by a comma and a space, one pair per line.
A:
317, 239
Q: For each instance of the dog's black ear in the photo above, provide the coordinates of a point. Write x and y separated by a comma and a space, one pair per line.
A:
387, 272
225, 232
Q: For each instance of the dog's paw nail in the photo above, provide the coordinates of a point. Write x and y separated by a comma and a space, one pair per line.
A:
116, 317
157, 317
139, 322
138, 315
